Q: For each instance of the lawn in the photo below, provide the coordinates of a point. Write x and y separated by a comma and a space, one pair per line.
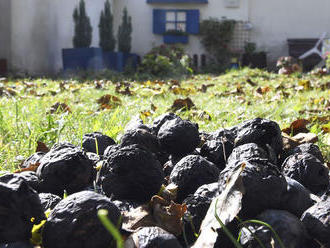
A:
64, 110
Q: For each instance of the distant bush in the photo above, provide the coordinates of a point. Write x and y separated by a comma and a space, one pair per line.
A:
215, 37
124, 35
165, 60
82, 28
107, 39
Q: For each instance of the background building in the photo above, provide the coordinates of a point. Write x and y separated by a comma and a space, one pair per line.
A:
33, 32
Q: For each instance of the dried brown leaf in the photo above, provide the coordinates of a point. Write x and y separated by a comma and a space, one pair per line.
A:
263, 90
186, 103
250, 82
59, 108
32, 167
204, 87
123, 88
306, 138
153, 107
168, 215
42, 147
106, 99
298, 126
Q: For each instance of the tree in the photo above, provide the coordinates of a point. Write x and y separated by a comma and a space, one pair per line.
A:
107, 39
124, 33
83, 29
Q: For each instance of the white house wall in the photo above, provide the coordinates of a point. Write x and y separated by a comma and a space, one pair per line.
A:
41, 28
276, 21
5, 29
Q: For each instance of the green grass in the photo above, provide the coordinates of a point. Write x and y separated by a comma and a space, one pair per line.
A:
25, 117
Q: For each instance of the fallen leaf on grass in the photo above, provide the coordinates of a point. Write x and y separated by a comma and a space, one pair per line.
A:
177, 90
201, 115
42, 147
320, 118
59, 108
237, 91
108, 98
99, 84
250, 82
29, 84
263, 90
32, 167
153, 107
326, 128
204, 87
186, 103
108, 102
175, 82
53, 92
325, 86
298, 126
123, 88
146, 113
305, 83
7, 91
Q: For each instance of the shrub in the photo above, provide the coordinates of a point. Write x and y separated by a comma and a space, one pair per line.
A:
124, 33
215, 37
165, 60
107, 39
83, 29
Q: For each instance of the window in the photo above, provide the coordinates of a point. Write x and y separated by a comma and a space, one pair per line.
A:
175, 19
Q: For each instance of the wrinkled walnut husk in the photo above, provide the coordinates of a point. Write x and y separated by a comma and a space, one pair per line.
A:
20, 209
178, 137
131, 173
316, 220
289, 228
65, 167
73, 223
91, 140
307, 170
190, 173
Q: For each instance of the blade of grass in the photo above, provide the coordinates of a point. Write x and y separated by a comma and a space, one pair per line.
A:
225, 229
266, 225
252, 233
103, 216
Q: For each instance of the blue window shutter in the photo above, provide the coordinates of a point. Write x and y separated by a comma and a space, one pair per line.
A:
193, 21
159, 21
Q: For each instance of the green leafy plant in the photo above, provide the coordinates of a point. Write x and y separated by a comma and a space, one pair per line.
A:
165, 60
107, 39
215, 37
124, 36
250, 47
83, 29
